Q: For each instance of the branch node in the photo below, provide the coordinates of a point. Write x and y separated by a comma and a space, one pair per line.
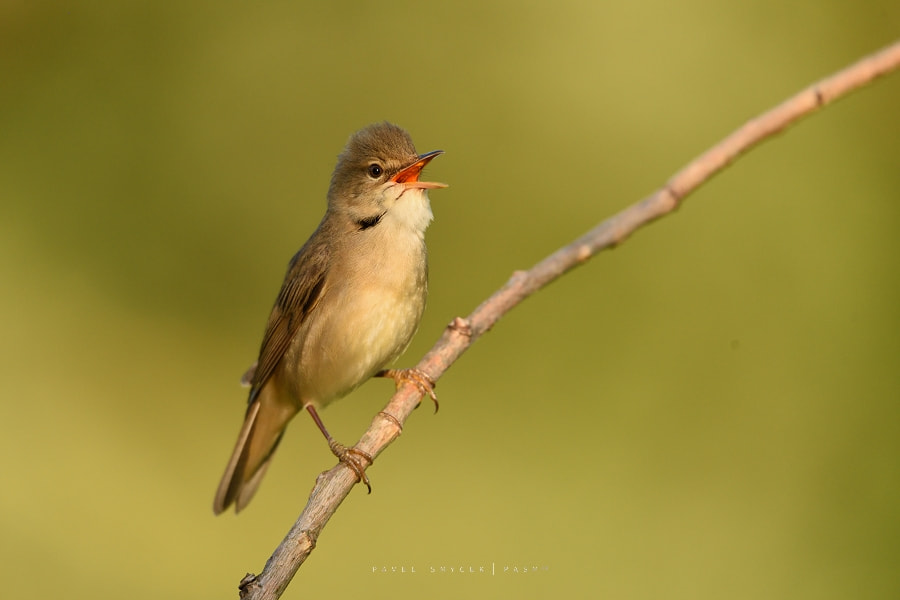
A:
673, 193
311, 539
517, 277
583, 253
461, 326
248, 584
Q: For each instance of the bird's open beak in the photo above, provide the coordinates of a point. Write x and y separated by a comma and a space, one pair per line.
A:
409, 176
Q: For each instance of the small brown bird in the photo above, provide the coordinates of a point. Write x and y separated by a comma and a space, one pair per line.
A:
349, 306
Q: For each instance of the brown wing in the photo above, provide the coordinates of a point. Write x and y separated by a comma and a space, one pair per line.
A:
303, 286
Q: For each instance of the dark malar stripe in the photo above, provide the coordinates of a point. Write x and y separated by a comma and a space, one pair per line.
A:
369, 222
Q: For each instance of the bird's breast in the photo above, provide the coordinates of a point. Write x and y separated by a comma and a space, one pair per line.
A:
370, 311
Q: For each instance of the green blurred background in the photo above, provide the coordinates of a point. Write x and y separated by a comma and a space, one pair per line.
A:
710, 411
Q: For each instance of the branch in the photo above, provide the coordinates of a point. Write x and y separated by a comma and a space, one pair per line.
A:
333, 486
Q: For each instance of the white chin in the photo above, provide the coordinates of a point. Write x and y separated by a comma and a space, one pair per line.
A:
412, 209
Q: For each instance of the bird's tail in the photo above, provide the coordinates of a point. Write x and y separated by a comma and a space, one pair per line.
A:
263, 427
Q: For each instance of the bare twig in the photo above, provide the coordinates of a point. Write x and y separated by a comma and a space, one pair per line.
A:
333, 486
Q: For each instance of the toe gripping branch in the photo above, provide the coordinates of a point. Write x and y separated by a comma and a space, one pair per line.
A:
415, 376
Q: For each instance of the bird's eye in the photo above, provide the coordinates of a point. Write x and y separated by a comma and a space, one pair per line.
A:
375, 170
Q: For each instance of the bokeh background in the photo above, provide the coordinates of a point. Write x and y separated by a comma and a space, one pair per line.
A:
710, 411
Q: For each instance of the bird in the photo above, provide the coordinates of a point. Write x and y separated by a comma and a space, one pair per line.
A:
351, 301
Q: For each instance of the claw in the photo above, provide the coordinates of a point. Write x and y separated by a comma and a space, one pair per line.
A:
416, 376
355, 459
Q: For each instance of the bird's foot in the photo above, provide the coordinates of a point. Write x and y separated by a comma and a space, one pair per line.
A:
355, 459
419, 378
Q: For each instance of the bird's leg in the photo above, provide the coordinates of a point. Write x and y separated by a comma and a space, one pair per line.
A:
419, 378
353, 458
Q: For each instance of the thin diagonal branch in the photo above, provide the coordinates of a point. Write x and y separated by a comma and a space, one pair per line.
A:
333, 486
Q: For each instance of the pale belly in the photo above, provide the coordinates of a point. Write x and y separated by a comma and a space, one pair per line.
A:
355, 333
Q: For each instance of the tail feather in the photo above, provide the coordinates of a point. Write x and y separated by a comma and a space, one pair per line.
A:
263, 428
